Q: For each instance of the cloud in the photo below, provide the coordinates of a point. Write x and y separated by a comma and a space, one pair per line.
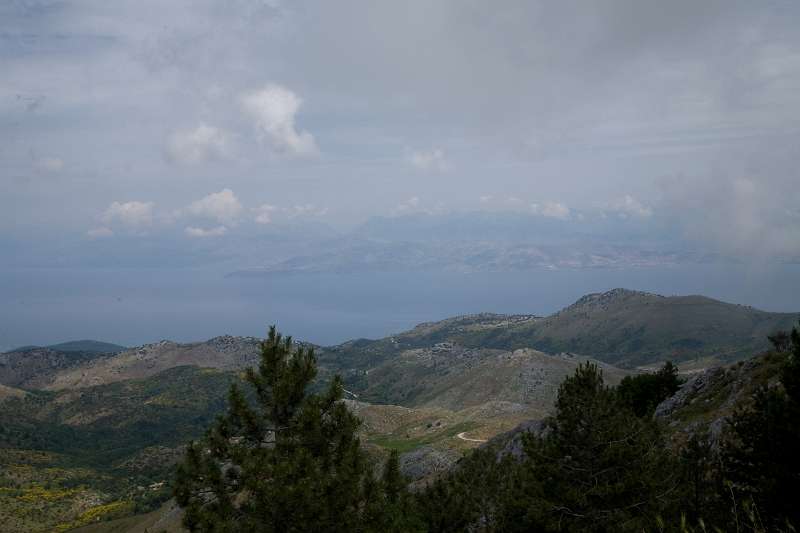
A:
409, 205
307, 210
133, 215
551, 210
432, 161
272, 110
222, 206
49, 164
198, 145
415, 205
99, 233
485, 199
263, 213
203, 232
630, 206
741, 215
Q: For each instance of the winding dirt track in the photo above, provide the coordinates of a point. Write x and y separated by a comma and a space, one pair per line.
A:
462, 437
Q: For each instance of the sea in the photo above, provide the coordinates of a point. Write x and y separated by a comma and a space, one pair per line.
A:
134, 307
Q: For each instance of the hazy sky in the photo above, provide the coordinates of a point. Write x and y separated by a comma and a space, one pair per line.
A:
207, 118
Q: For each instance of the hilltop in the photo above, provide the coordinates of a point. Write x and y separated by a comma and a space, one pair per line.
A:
620, 327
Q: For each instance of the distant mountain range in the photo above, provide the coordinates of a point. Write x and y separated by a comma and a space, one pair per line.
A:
361, 255
485, 241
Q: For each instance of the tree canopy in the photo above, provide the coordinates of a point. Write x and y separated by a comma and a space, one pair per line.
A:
284, 460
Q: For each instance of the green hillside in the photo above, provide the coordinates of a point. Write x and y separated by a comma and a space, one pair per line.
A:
620, 327
71, 457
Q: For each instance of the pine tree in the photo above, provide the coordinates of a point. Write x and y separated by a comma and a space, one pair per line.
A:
597, 466
281, 459
701, 483
642, 393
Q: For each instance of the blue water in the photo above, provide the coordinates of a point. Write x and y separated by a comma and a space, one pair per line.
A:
138, 306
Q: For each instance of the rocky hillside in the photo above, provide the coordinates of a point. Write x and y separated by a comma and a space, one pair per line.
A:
621, 327
34, 368
223, 353
708, 398
704, 402
454, 377
630, 327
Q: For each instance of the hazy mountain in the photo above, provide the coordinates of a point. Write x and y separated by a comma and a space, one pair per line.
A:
86, 345
492, 241
517, 226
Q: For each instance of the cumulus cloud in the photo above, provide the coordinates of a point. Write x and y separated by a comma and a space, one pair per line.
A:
205, 232
49, 164
551, 210
433, 160
197, 145
99, 233
273, 109
628, 206
133, 215
222, 206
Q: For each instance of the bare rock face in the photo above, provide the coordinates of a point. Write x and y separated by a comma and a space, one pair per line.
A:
688, 391
427, 461
511, 443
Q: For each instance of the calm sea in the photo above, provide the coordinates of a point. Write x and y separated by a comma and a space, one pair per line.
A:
139, 306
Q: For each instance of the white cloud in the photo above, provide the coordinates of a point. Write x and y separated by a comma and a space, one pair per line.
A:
551, 210
485, 199
409, 205
222, 206
630, 206
433, 160
307, 210
133, 215
273, 109
264, 213
415, 205
203, 232
49, 164
198, 145
99, 233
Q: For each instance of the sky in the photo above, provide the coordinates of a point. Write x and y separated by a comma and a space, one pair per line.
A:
203, 120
